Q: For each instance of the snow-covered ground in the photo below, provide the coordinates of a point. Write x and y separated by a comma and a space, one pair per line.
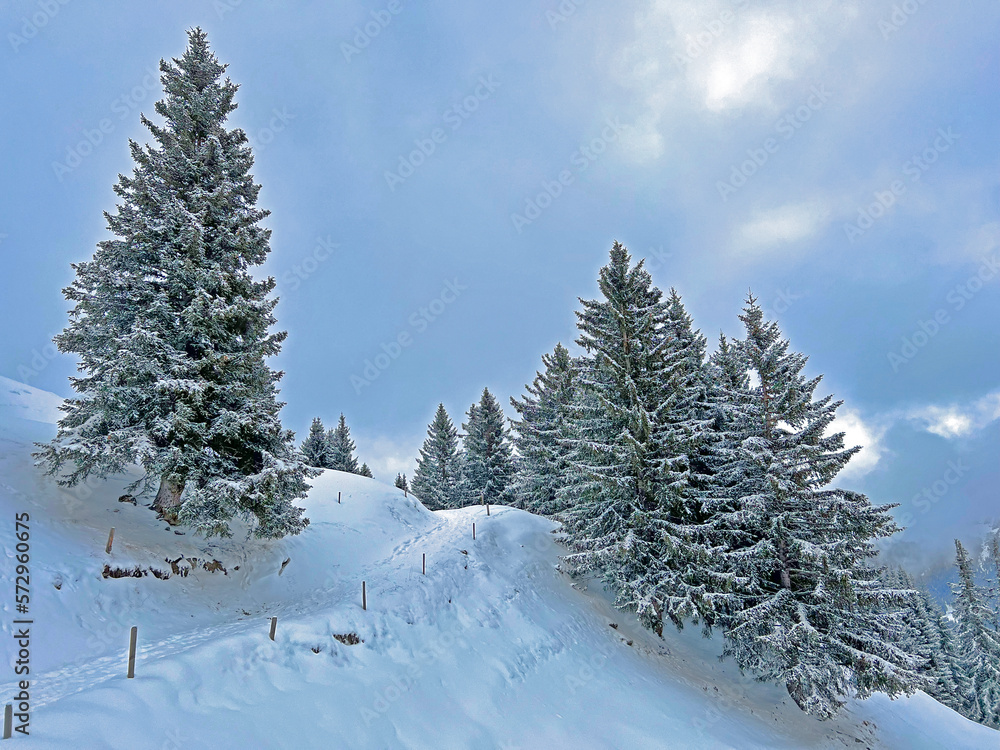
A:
492, 648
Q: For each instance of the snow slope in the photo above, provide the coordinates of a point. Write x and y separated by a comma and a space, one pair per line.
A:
21, 401
492, 648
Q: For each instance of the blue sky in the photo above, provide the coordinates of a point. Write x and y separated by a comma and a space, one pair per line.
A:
452, 175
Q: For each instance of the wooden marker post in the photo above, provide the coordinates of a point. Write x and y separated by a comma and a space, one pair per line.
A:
111, 540
364, 596
473, 530
487, 508
8, 720
338, 498
274, 625
424, 563
133, 636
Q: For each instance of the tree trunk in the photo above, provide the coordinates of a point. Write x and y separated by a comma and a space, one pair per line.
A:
658, 609
168, 498
786, 578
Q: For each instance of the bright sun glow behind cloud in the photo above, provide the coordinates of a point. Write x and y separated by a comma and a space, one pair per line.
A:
744, 63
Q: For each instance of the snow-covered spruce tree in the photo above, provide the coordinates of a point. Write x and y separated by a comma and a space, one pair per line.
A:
676, 581
978, 643
340, 448
487, 468
314, 446
435, 480
364, 471
993, 553
542, 432
401, 482
688, 414
952, 685
804, 606
936, 643
629, 461
172, 330
926, 636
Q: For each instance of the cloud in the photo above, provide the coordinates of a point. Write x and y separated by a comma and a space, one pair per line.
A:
696, 58
957, 420
859, 432
981, 242
387, 456
781, 226
746, 63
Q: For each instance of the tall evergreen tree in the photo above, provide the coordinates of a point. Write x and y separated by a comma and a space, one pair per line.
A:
487, 459
340, 448
435, 480
993, 553
927, 636
401, 482
364, 471
314, 447
949, 682
804, 606
172, 330
541, 435
629, 448
616, 448
978, 643
676, 580
687, 414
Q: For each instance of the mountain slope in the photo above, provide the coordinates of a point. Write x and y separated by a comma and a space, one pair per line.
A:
492, 648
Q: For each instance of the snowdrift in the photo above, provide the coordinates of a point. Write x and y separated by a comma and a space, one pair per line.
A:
492, 648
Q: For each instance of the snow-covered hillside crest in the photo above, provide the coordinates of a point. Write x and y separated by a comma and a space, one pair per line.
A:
19, 400
492, 648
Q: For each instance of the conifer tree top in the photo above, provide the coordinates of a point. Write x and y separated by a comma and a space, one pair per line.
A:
173, 331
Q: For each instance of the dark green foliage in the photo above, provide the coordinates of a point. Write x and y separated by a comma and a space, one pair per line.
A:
487, 466
314, 447
173, 331
436, 479
340, 448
